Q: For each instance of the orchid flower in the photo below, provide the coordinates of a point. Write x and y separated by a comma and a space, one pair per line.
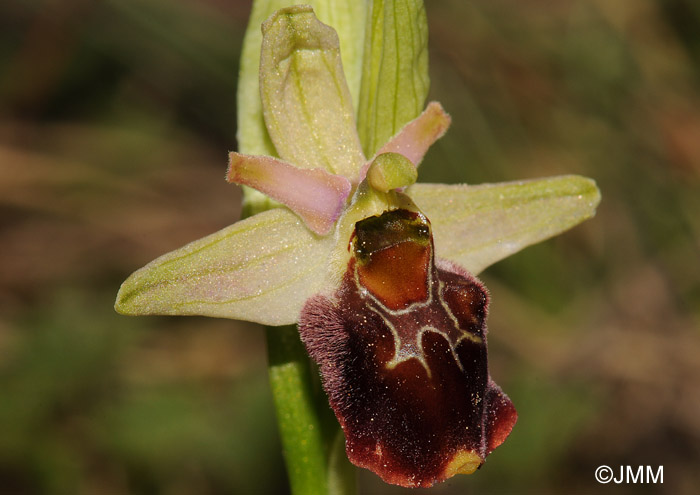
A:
378, 271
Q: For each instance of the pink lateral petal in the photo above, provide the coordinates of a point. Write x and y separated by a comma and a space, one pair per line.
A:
414, 139
317, 196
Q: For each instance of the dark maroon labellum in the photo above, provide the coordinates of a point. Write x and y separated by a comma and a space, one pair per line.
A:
402, 351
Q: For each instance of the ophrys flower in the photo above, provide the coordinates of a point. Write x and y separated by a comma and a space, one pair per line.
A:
377, 270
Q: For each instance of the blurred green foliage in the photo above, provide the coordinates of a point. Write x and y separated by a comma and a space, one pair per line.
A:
86, 408
115, 120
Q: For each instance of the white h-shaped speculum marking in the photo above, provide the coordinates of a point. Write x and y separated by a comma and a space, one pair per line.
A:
404, 351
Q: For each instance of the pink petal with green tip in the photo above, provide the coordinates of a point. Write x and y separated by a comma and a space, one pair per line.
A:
414, 139
317, 196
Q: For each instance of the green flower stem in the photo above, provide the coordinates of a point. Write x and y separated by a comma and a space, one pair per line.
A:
297, 417
306, 426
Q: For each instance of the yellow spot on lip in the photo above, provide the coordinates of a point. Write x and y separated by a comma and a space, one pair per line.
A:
463, 462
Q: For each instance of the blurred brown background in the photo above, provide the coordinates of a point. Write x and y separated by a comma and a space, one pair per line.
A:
115, 120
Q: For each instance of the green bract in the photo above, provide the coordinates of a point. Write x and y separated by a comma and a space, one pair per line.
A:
395, 70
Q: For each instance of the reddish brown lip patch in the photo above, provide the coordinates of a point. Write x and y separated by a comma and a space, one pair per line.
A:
408, 382
396, 275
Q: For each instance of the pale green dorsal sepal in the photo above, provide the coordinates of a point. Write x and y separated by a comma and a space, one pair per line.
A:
261, 269
395, 70
305, 99
475, 226
348, 17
